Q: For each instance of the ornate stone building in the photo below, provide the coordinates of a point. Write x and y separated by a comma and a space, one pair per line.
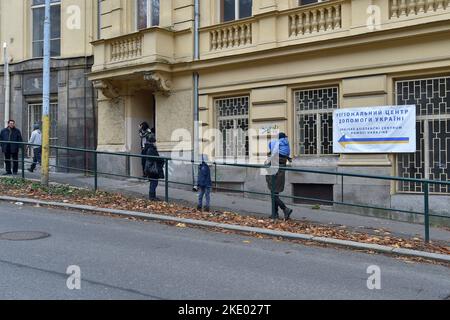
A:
283, 64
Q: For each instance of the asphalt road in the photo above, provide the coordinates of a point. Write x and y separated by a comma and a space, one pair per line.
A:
123, 259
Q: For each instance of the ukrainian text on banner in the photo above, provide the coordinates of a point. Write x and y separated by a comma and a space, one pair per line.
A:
385, 129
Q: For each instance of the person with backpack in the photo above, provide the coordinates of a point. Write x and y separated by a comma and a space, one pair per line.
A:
11, 151
279, 150
36, 140
154, 167
145, 134
204, 185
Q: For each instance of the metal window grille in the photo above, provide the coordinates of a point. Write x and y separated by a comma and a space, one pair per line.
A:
232, 122
314, 125
432, 157
35, 117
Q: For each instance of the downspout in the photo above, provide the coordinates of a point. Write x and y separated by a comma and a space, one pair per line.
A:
196, 78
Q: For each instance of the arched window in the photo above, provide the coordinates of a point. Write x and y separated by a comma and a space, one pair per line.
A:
147, 13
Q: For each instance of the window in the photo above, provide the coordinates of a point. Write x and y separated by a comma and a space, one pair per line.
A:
314, 109
232, 122
38, 13
432, 157
147, 13
304, 2
235, 9
35, 117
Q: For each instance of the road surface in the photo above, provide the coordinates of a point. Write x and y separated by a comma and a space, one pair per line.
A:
123, 259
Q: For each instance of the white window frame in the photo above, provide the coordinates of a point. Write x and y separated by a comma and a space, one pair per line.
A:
149, 14
236, 11
38, 6
309, 4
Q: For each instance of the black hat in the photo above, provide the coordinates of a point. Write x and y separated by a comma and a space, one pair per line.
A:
282, 135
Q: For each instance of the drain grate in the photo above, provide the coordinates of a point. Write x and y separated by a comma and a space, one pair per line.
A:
24, 235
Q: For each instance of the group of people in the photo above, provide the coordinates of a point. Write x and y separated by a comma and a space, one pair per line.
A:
153, 168
153, 165
11, 150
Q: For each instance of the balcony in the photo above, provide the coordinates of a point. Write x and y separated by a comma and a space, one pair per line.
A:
401, 9
133, 51
283, 27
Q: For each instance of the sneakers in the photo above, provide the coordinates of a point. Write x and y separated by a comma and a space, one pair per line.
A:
274, 217
7, 173
205, 209
287, 213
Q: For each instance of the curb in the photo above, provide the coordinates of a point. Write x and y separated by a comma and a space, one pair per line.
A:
283, 234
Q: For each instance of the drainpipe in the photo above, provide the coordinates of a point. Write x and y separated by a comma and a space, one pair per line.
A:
6, 81
196, 78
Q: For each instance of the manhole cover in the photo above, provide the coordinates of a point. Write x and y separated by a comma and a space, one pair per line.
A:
23, 235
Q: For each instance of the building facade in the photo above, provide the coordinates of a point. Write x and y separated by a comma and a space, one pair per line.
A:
261, 65
73, 98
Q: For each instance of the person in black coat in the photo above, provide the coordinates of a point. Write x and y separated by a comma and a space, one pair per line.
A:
145, 134
154, 168
11, 151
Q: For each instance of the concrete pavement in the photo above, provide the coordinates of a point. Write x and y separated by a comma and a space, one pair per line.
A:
123, 259
238, 203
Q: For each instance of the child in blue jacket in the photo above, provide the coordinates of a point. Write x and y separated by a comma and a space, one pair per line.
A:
204, 184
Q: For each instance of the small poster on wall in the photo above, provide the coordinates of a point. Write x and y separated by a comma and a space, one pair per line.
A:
383, 129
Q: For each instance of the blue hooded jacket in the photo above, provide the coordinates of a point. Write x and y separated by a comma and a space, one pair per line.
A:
281, 145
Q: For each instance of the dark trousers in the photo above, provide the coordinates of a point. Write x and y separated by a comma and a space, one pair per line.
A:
14, 159
37, 152
153, 185
279, 203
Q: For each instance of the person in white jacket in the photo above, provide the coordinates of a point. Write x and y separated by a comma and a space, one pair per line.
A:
36, 140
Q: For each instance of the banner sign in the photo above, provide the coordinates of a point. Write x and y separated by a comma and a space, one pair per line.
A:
386, 129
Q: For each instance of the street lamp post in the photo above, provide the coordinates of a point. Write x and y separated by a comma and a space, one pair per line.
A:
46, 99
6, 81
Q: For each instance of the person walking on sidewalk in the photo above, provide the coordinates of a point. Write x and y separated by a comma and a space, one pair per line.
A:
36, 140
280, 149
10, 150
154, 168
204, 184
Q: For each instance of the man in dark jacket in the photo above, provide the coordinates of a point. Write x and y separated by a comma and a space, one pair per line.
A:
279, 150
10, 150
154, 168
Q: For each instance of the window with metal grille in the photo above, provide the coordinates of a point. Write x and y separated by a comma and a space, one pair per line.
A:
432, 157
232, 122
314, 124
35, 117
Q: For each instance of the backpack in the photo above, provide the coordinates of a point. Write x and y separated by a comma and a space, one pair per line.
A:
151, 169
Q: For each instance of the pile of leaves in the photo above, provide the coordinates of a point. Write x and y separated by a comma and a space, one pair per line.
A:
62, 193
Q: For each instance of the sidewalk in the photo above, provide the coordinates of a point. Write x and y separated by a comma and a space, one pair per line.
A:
238, 203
